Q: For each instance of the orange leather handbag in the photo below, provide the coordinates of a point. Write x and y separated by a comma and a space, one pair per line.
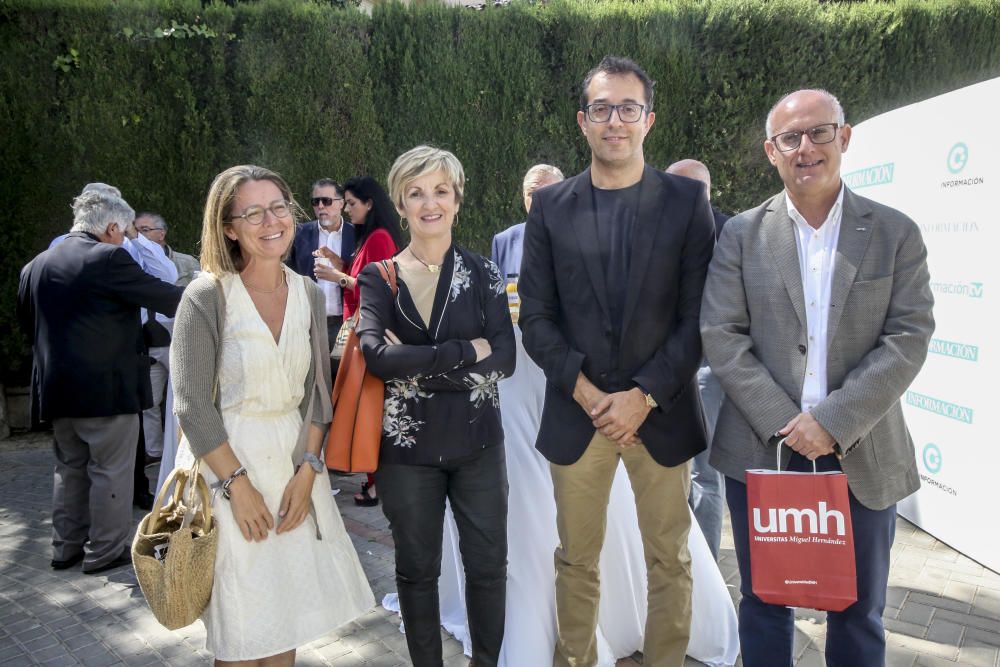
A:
352, 444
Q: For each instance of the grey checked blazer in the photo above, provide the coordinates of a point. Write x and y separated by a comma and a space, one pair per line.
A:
753, 328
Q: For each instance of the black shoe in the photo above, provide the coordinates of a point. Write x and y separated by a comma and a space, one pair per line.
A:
143, 500
365, 499
124, 559
68, 563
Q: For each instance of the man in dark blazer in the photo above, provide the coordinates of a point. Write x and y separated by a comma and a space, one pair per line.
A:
329, 231
816, 318
79, 304
611, 281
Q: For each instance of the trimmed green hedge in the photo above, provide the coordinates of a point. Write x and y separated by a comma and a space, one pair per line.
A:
158, 96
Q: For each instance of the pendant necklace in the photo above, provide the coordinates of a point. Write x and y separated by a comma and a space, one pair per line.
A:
433, 268
265, 291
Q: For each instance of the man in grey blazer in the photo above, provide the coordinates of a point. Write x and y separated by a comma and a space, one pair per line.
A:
816, 317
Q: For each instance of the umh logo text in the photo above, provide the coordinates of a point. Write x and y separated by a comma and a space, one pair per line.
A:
819, 520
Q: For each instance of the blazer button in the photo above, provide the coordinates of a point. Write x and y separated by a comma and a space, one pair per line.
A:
802, 349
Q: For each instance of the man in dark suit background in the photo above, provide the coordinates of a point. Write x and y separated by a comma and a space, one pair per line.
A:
611, 281
79, 304
328, 205
708, 491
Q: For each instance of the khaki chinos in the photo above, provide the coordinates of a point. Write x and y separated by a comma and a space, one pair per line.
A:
582, 490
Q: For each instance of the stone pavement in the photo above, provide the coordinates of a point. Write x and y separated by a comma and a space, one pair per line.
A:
944, 608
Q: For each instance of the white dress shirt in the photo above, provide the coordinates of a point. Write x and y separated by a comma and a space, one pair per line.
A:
334, 241
817, 258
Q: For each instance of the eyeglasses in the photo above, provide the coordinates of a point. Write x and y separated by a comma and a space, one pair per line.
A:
325, 201
146, 230
629, 112
821, 134
255, 214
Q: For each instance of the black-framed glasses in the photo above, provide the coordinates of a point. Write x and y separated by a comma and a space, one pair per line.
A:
630, 112
325, 201
146, 230
255, 214
821, 134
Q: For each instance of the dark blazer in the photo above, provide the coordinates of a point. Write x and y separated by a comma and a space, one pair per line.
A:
566, 322
306, 240
440, 404
79, 304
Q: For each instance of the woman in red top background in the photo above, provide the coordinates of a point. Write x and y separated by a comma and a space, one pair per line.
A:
378, 237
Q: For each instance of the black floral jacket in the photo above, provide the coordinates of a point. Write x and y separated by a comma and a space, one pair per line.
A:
440, 405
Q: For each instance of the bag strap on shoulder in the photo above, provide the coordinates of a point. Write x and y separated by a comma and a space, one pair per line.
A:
388, 270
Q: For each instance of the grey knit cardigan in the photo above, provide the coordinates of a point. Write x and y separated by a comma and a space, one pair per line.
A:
195, 354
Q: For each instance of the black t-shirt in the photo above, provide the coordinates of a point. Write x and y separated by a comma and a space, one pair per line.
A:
615, 212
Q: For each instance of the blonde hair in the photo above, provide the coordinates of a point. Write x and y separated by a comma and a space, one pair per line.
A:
422, 160
220, 254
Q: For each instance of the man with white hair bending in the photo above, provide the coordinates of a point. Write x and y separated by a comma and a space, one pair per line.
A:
78, 303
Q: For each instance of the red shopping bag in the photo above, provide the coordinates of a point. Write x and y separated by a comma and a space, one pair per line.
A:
801, 540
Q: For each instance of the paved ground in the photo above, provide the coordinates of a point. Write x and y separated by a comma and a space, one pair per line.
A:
944, 608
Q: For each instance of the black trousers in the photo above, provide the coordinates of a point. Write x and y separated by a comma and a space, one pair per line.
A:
413, 499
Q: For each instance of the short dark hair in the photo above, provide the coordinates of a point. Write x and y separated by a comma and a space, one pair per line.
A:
328, 183
617, 65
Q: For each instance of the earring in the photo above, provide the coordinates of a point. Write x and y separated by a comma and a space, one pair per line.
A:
455, 223
403, 223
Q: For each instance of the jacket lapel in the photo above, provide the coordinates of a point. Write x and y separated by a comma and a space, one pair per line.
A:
855, 233
779, 234
585, 224
653, 205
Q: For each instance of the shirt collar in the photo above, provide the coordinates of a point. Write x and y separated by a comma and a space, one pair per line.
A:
833, 215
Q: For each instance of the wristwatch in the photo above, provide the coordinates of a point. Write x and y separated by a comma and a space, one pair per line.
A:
313, 462
650, 401
343, 281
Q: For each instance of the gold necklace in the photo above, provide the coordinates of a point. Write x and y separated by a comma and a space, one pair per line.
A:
433, 268
265, 291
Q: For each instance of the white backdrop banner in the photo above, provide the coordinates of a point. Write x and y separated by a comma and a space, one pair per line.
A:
938, 161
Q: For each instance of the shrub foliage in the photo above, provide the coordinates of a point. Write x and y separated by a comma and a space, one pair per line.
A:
157, 96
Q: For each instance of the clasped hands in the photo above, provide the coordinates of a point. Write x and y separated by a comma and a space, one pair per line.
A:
617, 415
807, 436
251, 513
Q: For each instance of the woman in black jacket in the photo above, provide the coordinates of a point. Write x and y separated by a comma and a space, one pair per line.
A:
441, 344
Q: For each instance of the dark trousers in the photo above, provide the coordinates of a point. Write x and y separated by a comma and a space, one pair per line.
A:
854, 637
413, 499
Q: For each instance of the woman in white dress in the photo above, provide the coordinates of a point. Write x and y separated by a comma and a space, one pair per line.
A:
285, 572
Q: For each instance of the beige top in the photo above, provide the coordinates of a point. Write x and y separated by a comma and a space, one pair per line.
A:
422, 284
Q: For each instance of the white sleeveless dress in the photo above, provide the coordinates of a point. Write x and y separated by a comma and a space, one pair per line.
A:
276, 595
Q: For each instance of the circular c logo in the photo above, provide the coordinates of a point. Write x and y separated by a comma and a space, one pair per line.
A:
958, 157
932, 458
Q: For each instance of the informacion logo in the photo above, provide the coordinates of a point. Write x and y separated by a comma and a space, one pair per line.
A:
973, 290
878, 174
958, 157
949, 348
954, 411
932, 458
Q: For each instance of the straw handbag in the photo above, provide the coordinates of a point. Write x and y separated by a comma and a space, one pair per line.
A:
174, 550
